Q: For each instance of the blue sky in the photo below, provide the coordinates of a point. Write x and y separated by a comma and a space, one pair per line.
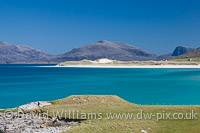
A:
57, 26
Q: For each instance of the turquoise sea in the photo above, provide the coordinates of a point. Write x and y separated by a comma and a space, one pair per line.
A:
21, 84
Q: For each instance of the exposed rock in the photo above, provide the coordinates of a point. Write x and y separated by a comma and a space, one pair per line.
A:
27, 123
180, 50
195, 55
33, 105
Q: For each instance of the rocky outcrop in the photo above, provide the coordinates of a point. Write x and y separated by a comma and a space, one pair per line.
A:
16, 120
33, 105
189, 56
28, 123
180, 50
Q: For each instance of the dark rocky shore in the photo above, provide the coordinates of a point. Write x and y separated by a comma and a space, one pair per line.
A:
35, 124
17, 121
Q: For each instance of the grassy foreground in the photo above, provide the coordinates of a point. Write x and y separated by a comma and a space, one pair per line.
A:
113, 104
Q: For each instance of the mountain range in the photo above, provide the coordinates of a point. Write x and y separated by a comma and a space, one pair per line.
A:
10, 54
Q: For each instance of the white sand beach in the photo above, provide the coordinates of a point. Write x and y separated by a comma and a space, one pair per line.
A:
108, 63
142, 66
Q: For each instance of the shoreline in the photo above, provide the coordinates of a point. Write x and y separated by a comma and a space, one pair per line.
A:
39, 104
136, 66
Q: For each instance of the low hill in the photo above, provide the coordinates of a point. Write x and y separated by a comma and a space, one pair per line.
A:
92, 105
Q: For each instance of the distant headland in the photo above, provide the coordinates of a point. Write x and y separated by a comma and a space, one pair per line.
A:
11, 54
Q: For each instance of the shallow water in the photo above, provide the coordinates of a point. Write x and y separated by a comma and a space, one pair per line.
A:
21, 84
